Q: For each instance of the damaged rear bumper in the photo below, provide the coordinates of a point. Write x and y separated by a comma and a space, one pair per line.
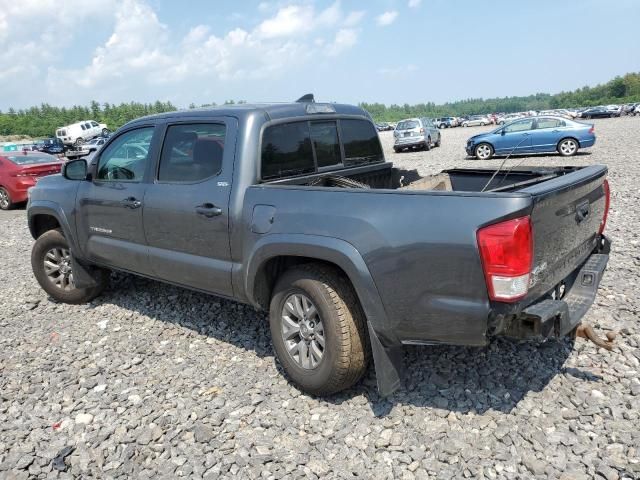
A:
557, 318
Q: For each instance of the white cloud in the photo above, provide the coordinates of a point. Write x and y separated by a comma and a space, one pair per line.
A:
414, 3
143, 58
387, 18
345, 39
353, 18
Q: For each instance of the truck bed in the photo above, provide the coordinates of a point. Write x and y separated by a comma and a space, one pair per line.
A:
417, 236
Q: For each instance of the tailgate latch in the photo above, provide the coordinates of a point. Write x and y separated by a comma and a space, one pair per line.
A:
587, 332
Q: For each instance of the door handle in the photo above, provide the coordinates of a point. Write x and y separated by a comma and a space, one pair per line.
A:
526, 134
131, 202
208, 210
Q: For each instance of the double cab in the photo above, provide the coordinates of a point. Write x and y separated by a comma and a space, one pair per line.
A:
292, 208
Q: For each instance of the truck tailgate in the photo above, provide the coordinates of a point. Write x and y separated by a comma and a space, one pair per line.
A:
566, 219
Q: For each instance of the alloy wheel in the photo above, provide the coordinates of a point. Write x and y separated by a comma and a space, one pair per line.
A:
568, 147
57, 267
303, 331
483, 152
4, 199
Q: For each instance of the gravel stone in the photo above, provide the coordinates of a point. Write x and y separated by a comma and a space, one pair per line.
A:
153, 381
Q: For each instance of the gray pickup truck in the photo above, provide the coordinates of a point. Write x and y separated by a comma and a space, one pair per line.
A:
293, 209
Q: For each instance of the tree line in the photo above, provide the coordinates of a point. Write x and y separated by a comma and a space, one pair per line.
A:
625, 89
43, 120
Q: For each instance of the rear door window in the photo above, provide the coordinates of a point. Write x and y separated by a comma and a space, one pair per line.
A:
192, 152
287, 151
549, 123
361, 142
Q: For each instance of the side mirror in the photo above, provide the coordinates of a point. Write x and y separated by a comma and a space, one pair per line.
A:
75, 170
502, 132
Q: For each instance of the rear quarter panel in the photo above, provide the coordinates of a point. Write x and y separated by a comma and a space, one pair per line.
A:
420, 249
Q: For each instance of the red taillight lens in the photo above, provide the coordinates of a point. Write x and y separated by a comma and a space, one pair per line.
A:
607, 202
506, 251
592, 130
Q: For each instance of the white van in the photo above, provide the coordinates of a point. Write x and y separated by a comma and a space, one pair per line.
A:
80, 132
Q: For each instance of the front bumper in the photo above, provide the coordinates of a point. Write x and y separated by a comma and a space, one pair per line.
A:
558, 318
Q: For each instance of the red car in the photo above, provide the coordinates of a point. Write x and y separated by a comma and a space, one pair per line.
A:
19, 171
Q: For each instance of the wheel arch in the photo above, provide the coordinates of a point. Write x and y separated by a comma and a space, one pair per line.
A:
275, 252
43, 216
568, 137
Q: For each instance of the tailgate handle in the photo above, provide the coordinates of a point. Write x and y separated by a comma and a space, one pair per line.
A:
582, 211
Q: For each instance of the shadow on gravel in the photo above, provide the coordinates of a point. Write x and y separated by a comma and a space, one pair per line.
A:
460, 379
470, 379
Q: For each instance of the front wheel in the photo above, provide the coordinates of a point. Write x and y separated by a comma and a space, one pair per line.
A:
318, 329
5, 199
567, 147
439, 142
79, 141
484, 151
105, 132
52, 267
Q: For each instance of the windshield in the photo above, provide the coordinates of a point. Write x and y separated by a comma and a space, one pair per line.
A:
32, 159
407, 124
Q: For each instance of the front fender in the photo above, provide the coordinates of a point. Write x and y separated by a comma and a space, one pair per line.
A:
46, 207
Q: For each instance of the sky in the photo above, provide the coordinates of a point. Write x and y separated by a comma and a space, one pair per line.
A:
66, 52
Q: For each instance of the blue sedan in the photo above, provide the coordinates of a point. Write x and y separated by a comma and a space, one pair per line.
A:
533, 135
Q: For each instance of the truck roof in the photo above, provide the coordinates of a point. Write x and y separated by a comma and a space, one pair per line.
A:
271, 111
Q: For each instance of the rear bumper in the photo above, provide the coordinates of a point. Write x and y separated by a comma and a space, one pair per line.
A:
557, 318
410, 142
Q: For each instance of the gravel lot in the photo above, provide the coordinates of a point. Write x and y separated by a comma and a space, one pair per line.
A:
155, 381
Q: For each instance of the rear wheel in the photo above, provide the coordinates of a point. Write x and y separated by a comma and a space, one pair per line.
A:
427, 145
52, 267
79, 141
484, 151
567, 147
318, 329
397, 150
5, 199
439, 142
482, 124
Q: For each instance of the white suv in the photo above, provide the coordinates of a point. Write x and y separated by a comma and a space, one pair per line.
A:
80, 132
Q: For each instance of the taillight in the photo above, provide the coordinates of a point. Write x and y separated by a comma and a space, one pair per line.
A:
607, 202
506, 251
592, 130
422, 130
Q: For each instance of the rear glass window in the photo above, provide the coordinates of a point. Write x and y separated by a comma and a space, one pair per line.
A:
361, 143
286, 150
407, 124
324, 136
31, 159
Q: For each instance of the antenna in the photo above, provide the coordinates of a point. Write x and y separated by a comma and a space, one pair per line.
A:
308, 98
502, 164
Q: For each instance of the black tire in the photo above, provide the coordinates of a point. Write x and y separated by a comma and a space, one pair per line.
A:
55, 239
105, 132
427, 144
346, 350
397, 150
439, 142
79, 141
5, 199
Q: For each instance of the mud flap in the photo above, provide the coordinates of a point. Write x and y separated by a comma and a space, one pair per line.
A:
83, 276
389, 364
